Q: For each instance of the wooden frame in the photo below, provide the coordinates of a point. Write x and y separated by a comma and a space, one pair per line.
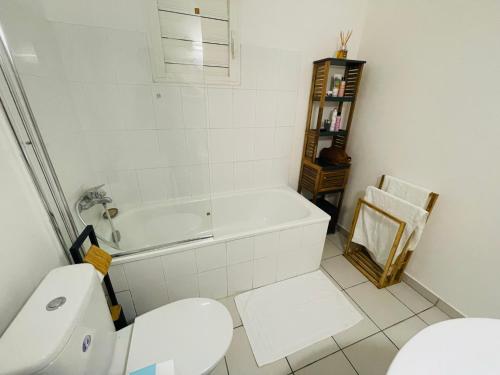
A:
360, 258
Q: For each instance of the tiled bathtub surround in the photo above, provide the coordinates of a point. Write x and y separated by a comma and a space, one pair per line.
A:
155, 141
218, 269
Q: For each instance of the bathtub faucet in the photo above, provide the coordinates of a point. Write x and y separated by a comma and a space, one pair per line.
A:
93, 196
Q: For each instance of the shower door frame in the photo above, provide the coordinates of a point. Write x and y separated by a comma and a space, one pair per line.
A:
22, 122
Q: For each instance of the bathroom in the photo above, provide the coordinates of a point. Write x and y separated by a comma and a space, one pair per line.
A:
187, 160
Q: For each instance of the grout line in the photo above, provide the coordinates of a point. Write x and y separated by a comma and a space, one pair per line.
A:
400, 300
227, 367
241, 325
290, 366
352, 286
319, 359
388, 338
346, 357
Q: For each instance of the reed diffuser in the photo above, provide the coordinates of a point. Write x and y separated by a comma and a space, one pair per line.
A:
344, 38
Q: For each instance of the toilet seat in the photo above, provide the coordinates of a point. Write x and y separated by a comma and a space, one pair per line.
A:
195, 333
453, 347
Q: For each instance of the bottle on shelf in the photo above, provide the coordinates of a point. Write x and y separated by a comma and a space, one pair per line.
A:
338, 122
333, 118
342, 87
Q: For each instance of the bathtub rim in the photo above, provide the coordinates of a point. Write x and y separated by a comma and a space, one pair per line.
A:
316, 215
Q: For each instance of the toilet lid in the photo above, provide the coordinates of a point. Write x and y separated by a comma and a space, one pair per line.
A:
455, 347
195, 333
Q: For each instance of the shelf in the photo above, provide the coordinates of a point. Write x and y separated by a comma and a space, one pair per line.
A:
341, 62
338, 99
327, 133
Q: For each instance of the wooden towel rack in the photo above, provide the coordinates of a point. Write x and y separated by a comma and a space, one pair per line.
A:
392, 272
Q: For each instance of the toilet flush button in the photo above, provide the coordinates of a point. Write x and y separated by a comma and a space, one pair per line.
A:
55, 303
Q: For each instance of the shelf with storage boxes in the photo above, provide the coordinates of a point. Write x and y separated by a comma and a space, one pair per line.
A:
325, 165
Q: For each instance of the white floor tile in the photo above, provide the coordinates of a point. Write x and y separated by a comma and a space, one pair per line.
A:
220, 369
343, 272
330, 250
338, 239
402, 332
360, 331
433, 315
335, 364
312, 353
231, 306
331, 279
410, 297
372, 356
380, 305
240, 359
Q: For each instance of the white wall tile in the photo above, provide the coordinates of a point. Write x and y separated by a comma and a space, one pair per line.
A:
211, 257
178, 182
265, 111
96, 105
213, 284
264, 271
288, 72
123, 187
221, 143
249, 56
168, 104
283, 142
128, 15
173, 149
267, 68
240, 250
286, 107
179, 264
132, 149
222, 177
180, 287
289, 265
264, 173
244, 107
280, 172
290, 240
243, 175
125, 300
152, 184
85, 53
264, 143
194, 107
239, 277
131, 56
220, 108
196, 146
118, 279
314, 233
147, 284
244, 143
135, 107
199, 180
266, 245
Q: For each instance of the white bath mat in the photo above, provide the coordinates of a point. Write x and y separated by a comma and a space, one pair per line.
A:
290, 315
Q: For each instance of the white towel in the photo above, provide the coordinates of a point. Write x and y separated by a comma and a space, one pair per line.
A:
377, 232
406, 191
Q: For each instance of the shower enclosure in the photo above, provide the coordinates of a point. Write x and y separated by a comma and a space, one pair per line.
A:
108, 104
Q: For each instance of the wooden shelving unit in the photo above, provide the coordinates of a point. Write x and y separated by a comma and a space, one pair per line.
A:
316, 177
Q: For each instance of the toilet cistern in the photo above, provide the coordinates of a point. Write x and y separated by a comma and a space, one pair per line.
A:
66, 328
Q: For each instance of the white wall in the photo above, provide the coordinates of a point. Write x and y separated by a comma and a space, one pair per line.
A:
428, 112
192, 140
29, 247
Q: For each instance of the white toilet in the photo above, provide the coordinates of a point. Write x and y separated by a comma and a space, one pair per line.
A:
65, 328
454, 347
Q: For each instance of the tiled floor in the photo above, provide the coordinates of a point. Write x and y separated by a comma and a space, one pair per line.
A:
391, 317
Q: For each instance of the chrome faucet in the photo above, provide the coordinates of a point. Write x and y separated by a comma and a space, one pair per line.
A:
97, 195
93, 196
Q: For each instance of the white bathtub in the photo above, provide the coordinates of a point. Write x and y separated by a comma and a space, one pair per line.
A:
259, 237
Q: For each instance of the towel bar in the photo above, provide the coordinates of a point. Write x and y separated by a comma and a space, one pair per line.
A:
393, 269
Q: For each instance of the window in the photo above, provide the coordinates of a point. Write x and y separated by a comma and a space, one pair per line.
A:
194, 41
